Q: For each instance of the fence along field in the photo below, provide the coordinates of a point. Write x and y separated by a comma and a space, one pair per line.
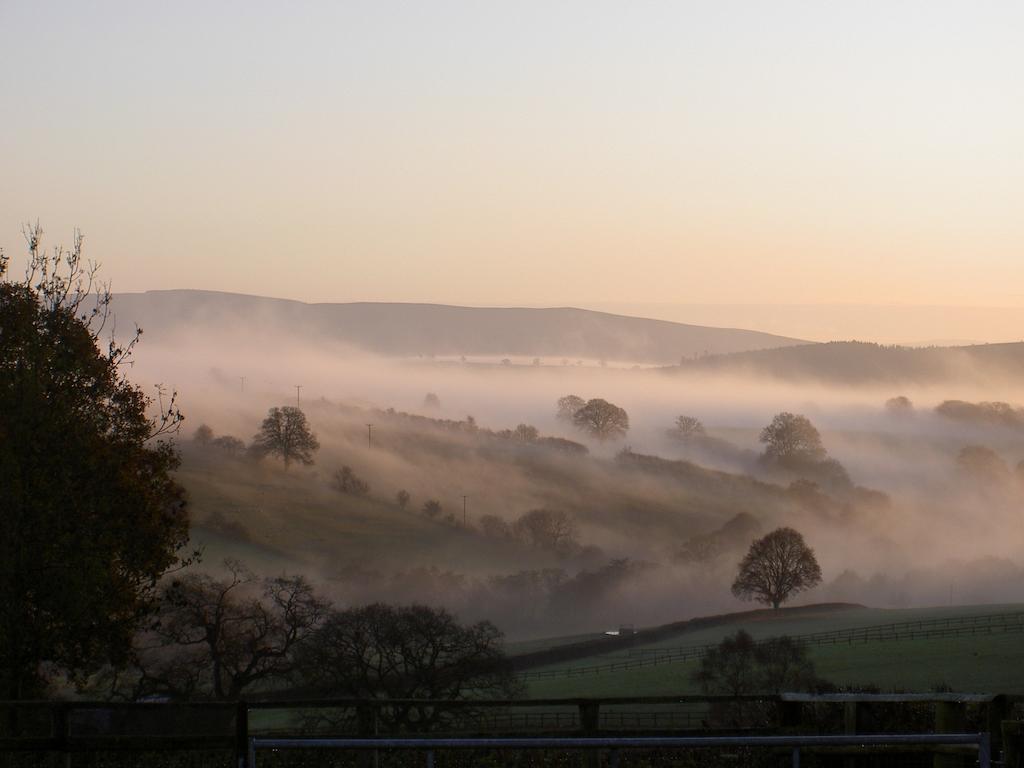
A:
945, 627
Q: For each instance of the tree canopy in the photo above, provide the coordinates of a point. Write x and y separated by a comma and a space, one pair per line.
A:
792, 439
603, 420
776, 567
286, 433
90, 517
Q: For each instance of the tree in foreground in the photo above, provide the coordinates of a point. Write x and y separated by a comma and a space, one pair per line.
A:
217, 637
285, 433
90, 517
777, 567
414, 652
603, 420
792, 440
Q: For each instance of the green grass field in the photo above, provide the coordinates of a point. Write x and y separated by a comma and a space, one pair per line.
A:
981, 663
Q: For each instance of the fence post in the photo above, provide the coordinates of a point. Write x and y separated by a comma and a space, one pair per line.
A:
995, 713
242, 735
1013, 743
950, 717
62, 731
590, 724
851, 724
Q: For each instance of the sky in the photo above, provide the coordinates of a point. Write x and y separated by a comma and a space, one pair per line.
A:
658, 156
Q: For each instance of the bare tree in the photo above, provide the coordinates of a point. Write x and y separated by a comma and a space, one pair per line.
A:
215, 638
687, 428
432, 508
602, 419
526, 433
568, 405
547, 528
347, 481
407, 653
776, 567
286, 433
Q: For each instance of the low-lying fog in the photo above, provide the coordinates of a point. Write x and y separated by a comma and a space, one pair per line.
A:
947, 532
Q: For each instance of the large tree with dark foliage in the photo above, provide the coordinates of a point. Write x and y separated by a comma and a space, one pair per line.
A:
286, 433
776, 567
90, 517
792, 440
603, 420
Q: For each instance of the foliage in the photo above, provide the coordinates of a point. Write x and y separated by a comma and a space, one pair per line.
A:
90, 517
995, 413
203, 434
547, 528
402, 498
687, 428
982, 463
431, 401
286, 433
899, 405
776, 567
733, 534
602, 419
432, 508
216, 638
414, 652
568, 405
526, 433
495, 527
347, 481
228, 444
792, 440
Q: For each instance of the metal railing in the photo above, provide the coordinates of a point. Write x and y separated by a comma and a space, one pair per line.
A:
614, 745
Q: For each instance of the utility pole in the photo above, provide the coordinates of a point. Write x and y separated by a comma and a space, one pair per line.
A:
369, 436
242, 379
298, 389
464, 511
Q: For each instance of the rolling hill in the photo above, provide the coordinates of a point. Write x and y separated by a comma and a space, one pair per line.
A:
855, 362
433, 329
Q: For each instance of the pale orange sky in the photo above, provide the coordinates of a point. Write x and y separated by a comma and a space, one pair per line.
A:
587, 153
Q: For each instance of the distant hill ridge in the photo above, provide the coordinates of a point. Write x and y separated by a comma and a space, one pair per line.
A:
857, 362
436, 329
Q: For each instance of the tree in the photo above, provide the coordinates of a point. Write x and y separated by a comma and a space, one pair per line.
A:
568, 405
546, 528
431, 401
432, 508
90, 516
494, 527
229, 444
687, 428
402, 497
899, 406
203, 434
217, 637
285, 433
347, 481
602, 419
776, 567
792, 440
982, 463
407, 653
526, 433
741, 666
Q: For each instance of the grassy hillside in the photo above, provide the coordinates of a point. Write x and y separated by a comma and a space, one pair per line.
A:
968, 663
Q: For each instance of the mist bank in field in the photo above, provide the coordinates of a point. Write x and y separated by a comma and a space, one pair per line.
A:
658, 522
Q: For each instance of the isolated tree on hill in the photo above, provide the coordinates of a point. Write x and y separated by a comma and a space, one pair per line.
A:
431, 401
286, 433
776, 567
687, 428
602, 419
547, 528
568, 405
90, 516
791, 439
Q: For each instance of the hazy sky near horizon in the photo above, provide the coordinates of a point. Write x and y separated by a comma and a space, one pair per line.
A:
578, 152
